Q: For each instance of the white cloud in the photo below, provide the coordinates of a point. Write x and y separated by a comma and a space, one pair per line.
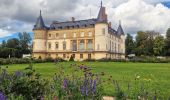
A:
139, 15
4, 33
20, 15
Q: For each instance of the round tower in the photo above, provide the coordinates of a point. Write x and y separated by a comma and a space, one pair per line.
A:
40, 38
101, 32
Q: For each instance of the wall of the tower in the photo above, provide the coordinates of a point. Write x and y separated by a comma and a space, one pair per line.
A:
101, 42
39, 43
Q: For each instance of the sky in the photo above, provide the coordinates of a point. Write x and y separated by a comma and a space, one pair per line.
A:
20, 15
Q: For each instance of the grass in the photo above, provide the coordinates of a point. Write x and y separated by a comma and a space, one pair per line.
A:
156, 76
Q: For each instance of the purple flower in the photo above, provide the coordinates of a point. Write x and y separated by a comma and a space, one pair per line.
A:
18, 73
94, 86
82, 90
65, 84
86, 91
2, 96
81, 67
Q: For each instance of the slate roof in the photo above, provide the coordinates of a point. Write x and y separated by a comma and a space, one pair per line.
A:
102, 16
73, 24
120, 30
40, 23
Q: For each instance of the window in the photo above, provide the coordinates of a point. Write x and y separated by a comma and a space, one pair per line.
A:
73, 55
49, 35
57, 35
64, 35
49, 45
64, 45
82, 34
64, 55
90, 34
74, 45
103, 31
74, 35
81, 56
81, 44
98, 47
49, 55
56, 45
115, 48
89, 56
106, 47
56, 55
90, 44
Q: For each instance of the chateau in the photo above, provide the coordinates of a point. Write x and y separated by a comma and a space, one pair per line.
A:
82, 39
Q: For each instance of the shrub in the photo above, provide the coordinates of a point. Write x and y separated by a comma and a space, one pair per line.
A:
71, 58
26, 84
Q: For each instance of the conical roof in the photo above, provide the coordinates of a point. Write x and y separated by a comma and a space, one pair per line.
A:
120, 29
40, 23
102, 16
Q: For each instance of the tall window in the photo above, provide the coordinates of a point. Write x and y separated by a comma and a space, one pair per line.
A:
56, 55
49, 45
73, 55
103, 31
89, 56
98, 47
81, 56
74, 35
64, 35
90, 34
57, 35
90, 44
74, 45
64, 45
82, 34
64, 55
81, 44
56, 45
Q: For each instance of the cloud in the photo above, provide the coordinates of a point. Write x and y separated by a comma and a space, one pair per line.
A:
139, 15
20, 15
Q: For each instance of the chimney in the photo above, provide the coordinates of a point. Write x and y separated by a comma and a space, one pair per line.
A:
72, 19
110, 24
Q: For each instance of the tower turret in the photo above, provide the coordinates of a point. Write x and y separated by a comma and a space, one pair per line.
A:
40, 38
120, 29
40, 23
102, 16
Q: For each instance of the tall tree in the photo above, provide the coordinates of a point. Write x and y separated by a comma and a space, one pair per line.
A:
25, 40
167, 43
129, 44
144, 43
159, 44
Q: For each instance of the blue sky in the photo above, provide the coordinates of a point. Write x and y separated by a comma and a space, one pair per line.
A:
20, 15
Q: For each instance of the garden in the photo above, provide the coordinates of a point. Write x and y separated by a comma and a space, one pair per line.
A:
85, 81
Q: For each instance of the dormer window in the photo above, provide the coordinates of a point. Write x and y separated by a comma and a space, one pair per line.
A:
49, 35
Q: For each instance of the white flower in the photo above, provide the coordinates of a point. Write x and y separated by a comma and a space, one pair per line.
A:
138, 77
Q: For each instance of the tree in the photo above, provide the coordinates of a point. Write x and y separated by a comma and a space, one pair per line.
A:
25, 40
3, 44
129, 44
167, 43
144, 42
159, 44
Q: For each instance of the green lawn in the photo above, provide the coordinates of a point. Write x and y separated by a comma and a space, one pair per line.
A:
155, 76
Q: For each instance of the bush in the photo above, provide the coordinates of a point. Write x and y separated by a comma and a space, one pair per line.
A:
90, 60
26, 85
71, 58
